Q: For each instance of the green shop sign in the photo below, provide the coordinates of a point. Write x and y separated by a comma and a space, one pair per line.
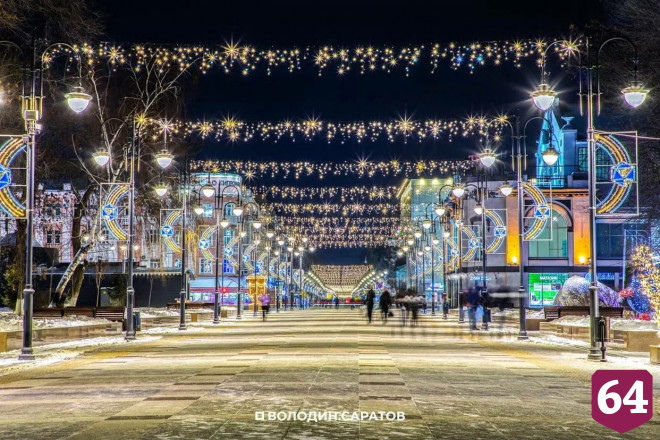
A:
544, 287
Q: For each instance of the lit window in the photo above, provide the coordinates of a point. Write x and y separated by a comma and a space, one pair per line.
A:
553, 241
205, 266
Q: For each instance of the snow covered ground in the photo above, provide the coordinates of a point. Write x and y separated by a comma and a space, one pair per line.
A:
152, 312
615, 323
10, 322
61, 351
514, 313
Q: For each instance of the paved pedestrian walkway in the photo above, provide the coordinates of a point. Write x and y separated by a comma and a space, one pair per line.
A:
208, 383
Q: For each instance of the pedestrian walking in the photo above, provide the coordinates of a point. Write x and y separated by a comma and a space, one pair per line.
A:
385, 304
265, 304
414, 309
371, 297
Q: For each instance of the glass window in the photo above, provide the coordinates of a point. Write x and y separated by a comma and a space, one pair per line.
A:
229, 234
205, 266
227, 267
229, 209
553, 241
58, 210
49, 237
57, 237
610, 239
582, 159
177, 263
154, 236
208, 210
603, 163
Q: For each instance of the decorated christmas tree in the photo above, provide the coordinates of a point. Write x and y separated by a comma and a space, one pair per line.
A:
636, 299
648, 276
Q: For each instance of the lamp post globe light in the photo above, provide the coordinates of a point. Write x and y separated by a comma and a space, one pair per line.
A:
102, 157
78, 100
543, 96
164, 159
487, 158
458, 190
506, 189
161, 190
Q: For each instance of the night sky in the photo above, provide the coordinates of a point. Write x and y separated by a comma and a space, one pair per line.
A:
446, 93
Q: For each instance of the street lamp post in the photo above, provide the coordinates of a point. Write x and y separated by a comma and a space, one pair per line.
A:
269, 245
102, 158
290, 248
184, 252
219, 207
634, 95
441, 212
429, 225
549, 157
32, 108
256, 225
238, 212
255, 256
280, 286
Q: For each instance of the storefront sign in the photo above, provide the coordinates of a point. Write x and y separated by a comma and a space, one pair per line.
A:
544, 287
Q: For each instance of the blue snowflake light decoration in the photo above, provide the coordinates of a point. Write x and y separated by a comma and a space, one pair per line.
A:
110, 212
623, 174
166, 231
5, 177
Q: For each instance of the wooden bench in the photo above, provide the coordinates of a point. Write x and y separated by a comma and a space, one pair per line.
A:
78, 311
48, 312
556, 312
110, 313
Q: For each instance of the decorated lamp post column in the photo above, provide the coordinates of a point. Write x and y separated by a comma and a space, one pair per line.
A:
634, 95
32, 110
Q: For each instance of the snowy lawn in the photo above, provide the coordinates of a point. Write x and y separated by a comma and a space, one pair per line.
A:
10, 322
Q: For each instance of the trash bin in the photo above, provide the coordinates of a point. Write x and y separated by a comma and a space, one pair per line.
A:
137, 321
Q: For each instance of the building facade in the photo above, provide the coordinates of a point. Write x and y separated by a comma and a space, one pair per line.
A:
558, 250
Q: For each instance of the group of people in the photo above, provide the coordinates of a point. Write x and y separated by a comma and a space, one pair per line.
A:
474, 300
409, 302
385, 303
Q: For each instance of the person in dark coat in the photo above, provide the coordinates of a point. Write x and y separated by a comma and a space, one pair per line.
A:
385, 304
371, 297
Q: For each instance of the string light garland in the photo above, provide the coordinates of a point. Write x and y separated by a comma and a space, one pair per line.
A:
362, 168
309, 231
349, 245
245, 59
343, 193
340, 278
333, 208
342, 222
313, 128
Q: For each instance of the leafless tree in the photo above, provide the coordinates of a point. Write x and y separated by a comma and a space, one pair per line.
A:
128, 100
